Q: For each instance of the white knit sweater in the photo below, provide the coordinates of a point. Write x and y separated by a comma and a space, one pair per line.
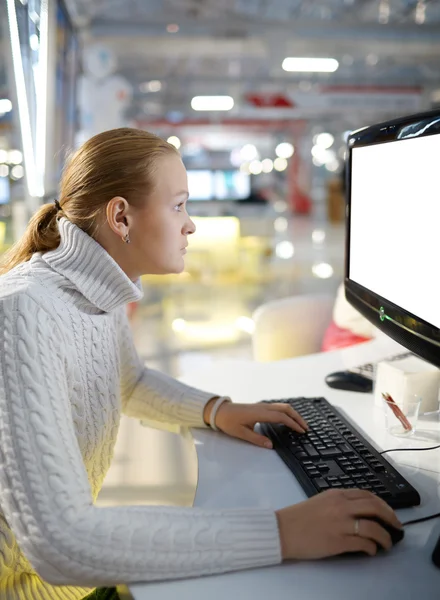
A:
68, 367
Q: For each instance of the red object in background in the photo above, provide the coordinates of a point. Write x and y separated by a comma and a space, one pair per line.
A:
298, 181
335, 338
131, 309
269, 100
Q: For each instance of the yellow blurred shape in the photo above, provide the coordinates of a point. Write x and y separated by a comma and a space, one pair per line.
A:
245, 324
178, 325
215, 231
2, 232
210, 332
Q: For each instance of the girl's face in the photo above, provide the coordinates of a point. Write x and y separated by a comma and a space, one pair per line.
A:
160, 229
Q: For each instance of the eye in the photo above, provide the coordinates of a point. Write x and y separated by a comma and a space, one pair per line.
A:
179, 206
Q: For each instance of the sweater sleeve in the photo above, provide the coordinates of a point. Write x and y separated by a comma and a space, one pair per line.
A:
149, 394
45, 493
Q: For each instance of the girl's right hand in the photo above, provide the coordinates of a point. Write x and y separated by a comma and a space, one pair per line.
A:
325, 525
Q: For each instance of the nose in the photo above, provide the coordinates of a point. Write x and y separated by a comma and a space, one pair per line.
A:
190, 227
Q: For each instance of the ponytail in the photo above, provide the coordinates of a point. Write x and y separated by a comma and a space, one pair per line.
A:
41, 235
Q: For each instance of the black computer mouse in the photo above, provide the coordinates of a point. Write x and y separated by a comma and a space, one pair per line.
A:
347, 380
396, 534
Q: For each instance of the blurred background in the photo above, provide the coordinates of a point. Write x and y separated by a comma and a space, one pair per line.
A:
259, 97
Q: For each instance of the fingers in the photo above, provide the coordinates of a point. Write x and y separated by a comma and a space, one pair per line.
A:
275, 416
374, 507
355, 543
249, 435
290, 412
373, 531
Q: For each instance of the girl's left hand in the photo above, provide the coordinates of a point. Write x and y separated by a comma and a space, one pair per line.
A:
238, 420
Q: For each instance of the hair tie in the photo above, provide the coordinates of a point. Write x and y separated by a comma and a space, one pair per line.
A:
57, 205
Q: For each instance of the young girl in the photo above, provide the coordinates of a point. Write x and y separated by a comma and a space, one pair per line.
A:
68, 368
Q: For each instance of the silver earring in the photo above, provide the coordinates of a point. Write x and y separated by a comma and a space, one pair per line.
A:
126, 238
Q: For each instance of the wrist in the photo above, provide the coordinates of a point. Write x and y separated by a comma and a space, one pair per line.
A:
212, 408
278, 517
207, 410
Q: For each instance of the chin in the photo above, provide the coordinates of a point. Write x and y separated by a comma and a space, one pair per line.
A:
173, 270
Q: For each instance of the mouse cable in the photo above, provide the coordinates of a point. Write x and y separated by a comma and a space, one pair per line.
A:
436, 516
409, 449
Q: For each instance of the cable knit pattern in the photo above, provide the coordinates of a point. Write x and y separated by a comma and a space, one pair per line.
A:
68, 367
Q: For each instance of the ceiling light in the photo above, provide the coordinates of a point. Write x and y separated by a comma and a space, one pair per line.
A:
151, 86
318, 236
212, 103
332, 165
4, 170
280, 224
285, 250
280, 164
280, 206
255, 167
17, 172
420, 12
322, 155
284, 150
3, 156
384, 12
172, 28
15, 157
249, 152
267, 165
372, 59
310, 65
174, 141
325, 140
322, 270
5, 105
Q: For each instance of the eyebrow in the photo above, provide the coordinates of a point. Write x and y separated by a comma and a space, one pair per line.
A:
182, 192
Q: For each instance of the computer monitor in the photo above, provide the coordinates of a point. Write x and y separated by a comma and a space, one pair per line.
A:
207, 184
393, 236
5, 195
200, 184
231, 185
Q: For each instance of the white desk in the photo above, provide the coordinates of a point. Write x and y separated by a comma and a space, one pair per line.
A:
236, 474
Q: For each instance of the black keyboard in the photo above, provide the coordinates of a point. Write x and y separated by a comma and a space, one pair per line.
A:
333, 454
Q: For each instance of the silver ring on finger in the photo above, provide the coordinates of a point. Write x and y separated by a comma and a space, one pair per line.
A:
356, 527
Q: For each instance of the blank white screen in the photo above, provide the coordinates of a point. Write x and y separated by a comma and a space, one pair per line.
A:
395, 223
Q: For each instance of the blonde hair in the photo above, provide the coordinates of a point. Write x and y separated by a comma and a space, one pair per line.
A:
119, 162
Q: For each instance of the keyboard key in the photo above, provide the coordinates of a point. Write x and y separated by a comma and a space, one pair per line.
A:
300, 454
344, 448
314, 473
311, 450
323, 467
320, 484
330, 452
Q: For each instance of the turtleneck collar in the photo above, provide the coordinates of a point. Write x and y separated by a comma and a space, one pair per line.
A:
91, 269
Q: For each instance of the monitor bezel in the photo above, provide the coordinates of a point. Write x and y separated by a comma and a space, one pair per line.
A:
411, 331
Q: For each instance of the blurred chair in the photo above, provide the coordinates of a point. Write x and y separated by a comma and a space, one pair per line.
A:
291, 326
